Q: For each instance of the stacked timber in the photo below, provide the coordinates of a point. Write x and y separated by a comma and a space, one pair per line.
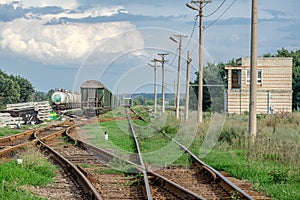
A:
32, 111
43, 109
7, 120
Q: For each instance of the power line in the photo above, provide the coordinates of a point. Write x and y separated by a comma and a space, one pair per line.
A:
192, 33
216, 9
193, 49
175, 56
221, 15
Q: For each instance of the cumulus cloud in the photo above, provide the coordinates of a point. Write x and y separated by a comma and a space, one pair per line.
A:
70, 4
91, 13
66, 43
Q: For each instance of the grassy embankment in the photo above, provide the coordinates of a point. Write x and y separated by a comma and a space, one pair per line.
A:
15, 179
6, 131
271, 163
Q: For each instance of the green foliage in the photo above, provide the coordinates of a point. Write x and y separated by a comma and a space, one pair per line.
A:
118, 134
9, 91
213, 92
14, 89
214, 74
26, 89
278, 176
40, 96
5, 131
271, 163
9, 191
296, 72
35, 170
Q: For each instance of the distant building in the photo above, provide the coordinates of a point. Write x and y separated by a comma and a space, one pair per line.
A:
274, 85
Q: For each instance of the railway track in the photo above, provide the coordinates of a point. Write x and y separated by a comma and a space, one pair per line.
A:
11, 145
71, 183
101, 168
205, 181
161, 187
110, 183
93, 175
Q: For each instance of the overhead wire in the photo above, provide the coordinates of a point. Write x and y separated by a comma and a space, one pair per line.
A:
218, 8
216, 20
212, 23
175, 56
192, 33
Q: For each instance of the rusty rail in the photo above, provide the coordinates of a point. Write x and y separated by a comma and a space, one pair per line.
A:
68, 166
224, 182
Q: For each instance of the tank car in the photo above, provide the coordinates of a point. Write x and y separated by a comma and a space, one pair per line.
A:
95, 97
63, 99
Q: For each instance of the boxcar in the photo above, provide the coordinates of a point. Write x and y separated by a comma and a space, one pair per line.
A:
95, 97
126, 102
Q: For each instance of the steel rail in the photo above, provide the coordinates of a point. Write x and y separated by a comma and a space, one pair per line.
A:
146, 181
68, 166
108, 156
226, 183
16, 136
183, 192
8, 151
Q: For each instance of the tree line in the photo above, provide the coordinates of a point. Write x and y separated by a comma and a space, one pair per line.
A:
16, 89
215, 74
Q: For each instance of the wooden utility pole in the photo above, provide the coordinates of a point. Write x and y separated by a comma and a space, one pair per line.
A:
253, 73
162, 61
179, 69
155, 95
187, 88
200, 87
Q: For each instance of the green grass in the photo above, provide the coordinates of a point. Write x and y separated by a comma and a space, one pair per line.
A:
143, 112
271, 164
34, 171
6, 131
118, 134
273, 178
109, 171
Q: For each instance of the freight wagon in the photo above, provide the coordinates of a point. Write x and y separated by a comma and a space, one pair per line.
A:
96, 98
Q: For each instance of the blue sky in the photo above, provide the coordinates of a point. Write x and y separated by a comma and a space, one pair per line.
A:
60, 44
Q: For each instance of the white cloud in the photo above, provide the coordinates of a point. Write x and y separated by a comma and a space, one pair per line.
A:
6, 1
70, 4
95, 12
63, 44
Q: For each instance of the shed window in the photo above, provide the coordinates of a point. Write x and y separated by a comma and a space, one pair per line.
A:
259, 76
236, 79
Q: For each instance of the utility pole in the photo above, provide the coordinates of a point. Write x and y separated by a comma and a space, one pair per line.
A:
162, 61
180, 37
187, 89
175, 97
200, 87
155, 95
253, 73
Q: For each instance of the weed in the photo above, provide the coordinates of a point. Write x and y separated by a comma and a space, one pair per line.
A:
278, 176
35, 170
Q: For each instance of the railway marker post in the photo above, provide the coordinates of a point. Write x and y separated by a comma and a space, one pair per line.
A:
105, 135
